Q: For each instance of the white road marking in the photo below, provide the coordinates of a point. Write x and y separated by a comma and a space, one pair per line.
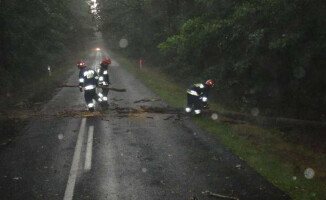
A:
89, 149
75, 163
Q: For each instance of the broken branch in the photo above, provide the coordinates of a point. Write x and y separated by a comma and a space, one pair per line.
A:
219, 195
104, 87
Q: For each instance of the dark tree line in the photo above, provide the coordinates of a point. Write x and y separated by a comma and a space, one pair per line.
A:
265, 54
37, 33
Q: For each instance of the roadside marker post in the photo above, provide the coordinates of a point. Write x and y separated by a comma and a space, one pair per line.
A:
49, 69
140, 63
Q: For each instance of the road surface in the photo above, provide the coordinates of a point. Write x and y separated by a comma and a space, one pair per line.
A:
143, 156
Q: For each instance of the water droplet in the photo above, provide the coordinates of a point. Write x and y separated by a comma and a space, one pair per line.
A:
309, 173
123, 43
255, 112
60, 136
144, 170
214, 116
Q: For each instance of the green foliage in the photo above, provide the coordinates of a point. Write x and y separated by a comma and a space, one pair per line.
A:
35, 34
264, 53
144, 23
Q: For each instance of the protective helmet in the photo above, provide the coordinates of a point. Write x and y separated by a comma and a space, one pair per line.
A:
81, 65
210, 82
106, 61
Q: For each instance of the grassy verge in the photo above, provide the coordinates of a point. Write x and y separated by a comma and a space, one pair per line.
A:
281, 162
157, 82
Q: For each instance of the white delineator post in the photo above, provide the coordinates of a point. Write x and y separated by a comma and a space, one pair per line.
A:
49, 69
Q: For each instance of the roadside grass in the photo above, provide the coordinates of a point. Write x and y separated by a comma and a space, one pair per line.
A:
281, 162
158, 82
37, 92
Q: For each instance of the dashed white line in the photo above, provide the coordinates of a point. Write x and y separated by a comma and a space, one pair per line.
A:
89, 149
75, 163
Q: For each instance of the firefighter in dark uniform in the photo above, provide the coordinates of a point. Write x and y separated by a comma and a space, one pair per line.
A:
88, 79
197, 96
104, 80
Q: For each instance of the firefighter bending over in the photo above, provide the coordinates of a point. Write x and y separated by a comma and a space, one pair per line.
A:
197, 96
104, 80
88, 79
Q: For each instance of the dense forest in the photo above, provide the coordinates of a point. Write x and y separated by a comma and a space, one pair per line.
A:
266, 54
38, 33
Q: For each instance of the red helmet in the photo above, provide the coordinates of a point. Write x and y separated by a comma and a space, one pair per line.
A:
210, 82
106, 61
81, 65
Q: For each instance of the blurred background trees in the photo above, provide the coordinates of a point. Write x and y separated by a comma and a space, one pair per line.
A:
266, 54
37, 33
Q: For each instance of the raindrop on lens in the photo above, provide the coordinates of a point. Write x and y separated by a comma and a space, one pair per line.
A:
255, 112
60, 136
214, 116
309, 173
123, 43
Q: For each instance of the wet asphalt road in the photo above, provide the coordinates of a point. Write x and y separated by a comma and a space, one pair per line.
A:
135, 156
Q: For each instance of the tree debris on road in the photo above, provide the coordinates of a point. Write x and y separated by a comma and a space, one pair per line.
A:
108, 88
175, 113
169, 117
114, 99
146, 100
208, 193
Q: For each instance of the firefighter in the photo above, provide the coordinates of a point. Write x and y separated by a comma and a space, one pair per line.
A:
88, 79
197, 96
104, 80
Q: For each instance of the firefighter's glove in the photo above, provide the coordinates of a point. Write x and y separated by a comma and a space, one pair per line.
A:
81, 89
204, 99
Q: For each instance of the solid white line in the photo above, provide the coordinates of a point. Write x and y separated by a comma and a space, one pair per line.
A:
89, 149
75, 163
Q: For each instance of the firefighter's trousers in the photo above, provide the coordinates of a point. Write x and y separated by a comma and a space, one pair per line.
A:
89, 96
193, 102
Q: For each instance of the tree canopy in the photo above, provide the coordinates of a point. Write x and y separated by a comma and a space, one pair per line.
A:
267, 54
38, 33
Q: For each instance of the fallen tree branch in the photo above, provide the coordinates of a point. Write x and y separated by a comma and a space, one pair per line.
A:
103, 87
219, 195
146, 100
